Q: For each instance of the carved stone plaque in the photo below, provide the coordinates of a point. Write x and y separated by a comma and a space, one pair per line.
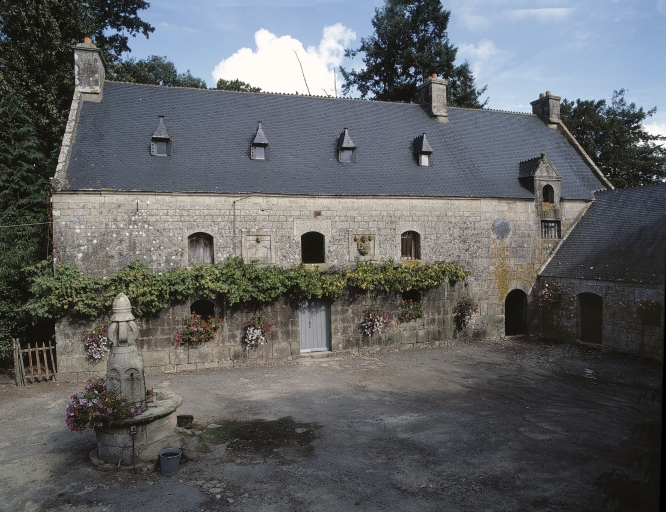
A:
257, 247
362, 246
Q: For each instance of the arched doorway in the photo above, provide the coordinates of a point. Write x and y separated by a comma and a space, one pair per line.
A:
590, 314
515, 313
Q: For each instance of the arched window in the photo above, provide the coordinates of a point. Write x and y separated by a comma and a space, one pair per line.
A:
548, 194
590, 317
413, 295
313, 247
515, 313
410, 246
200, 248
203, 307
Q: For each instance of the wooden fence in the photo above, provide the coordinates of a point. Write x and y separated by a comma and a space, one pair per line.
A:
34, 362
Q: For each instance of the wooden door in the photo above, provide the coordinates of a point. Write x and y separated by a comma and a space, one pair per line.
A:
315, 326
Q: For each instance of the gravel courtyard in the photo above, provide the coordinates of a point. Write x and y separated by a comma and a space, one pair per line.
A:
495, 425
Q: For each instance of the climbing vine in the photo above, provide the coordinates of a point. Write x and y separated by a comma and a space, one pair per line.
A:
70, 291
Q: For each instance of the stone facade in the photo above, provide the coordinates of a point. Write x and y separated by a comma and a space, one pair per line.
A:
498, 239
622, 329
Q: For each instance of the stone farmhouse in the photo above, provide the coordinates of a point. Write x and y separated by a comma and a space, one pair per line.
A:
178, 177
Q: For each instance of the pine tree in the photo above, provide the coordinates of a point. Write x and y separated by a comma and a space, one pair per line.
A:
409, 44
616, 140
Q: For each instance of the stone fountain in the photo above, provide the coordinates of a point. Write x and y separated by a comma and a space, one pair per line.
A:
138, 439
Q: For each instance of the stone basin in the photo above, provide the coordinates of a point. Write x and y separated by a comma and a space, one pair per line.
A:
155, 430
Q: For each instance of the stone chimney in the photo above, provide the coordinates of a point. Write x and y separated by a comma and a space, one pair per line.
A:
88, 69
547, 107
432, 97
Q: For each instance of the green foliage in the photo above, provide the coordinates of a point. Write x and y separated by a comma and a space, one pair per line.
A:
614, 137
154, 70
69, 291
36, 57
235, 85
409, 44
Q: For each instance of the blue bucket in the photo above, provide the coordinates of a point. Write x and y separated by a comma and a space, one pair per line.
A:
169, 460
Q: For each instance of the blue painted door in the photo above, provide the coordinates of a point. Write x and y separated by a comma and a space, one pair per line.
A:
315, 326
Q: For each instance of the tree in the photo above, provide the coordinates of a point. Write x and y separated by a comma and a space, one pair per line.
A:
154, 70
409, 44
615, 138
235, 85
36, 57
36, 86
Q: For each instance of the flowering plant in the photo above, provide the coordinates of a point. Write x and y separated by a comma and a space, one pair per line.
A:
548, 297
374, 318
96, 342
256, 331
410, 310
464, 309
95, 407
649, 311
196, 329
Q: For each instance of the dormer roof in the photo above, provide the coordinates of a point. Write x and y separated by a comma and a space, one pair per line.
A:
260, 138
539, 167
160, 131
345, 140
421, 145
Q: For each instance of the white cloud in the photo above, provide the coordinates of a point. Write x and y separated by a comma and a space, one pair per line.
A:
656, 129
478, 55
473, 21
274, 67
543, 14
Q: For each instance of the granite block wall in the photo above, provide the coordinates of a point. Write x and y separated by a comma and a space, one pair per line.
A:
623, 330
499, 240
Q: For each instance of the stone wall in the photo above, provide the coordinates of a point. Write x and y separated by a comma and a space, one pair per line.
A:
622, 329
162, 355
499, 240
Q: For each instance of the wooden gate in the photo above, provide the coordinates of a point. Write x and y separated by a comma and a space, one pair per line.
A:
315, 326
39, 362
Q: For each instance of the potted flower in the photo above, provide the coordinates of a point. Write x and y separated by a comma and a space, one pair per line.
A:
648, 311
255, 332
96, 342
374, 318
410, 310
195, 330
464, 310
95, 407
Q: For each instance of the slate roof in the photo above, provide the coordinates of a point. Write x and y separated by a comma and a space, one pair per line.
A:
476, 154
622, 237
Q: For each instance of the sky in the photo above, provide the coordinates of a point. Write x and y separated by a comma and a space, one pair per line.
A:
517, 48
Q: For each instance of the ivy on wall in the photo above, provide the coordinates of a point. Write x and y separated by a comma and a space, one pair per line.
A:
71, 292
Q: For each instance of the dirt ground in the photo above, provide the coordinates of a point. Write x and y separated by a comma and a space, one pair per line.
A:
505, 425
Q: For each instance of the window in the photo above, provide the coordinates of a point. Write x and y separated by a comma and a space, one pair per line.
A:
346, 148
313, 247
423, 150
160, 143
548, 194
550, 229
259, 145
200, 249
346, 155
410, 249
205, 308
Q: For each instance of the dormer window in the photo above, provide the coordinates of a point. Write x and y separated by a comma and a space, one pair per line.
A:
160, 143
548, 194
422, 150
346, 148
259, 145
